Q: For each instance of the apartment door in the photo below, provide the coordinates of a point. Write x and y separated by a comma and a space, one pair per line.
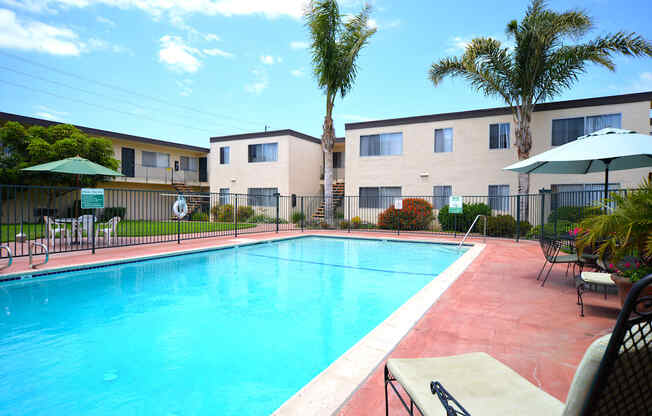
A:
128, 162
203, 169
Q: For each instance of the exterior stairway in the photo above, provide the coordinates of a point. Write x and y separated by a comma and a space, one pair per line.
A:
193, 202
338, 198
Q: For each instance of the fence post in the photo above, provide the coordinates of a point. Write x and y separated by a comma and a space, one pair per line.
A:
518, 217
278, 197
235, 215
349, 205
92, 230
543, 213
302, 214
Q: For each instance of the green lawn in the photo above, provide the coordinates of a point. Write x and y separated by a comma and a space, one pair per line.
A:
130, 228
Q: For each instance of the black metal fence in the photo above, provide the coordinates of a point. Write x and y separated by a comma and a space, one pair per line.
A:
33, 217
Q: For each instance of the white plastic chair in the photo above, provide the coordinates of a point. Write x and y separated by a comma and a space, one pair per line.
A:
54, 228
85, 225
107, 229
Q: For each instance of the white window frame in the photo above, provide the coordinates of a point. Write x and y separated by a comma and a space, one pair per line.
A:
439, 199
586, 127
380, 137
443, 130
263, 149
501, 142
384, 198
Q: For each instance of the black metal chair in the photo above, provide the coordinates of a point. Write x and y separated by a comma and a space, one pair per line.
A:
551, 251
613, 379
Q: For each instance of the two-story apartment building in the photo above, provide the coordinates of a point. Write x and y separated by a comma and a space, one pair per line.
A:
145, 163
264, 163
464, 153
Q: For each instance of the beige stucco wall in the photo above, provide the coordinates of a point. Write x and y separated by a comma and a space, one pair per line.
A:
295, 172
156, 175
472, 166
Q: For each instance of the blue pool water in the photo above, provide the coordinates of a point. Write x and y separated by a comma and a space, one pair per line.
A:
225, 332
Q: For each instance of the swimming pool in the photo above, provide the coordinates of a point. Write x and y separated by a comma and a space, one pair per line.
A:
231, 331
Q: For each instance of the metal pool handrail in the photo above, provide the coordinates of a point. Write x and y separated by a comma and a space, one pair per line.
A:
10, 255
459, 246
44, 247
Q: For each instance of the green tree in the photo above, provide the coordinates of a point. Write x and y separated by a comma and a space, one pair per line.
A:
540, 66
336, 44
37, 144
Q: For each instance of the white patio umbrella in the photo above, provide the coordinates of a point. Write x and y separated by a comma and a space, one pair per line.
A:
601, 151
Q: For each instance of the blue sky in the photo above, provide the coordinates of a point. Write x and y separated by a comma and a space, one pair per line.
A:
190, 69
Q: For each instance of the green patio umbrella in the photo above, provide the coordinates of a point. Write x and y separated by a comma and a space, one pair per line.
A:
74, 166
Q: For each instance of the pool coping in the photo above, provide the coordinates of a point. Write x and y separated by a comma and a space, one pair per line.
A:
327, 392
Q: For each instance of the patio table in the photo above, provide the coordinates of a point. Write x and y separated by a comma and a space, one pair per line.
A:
74, 222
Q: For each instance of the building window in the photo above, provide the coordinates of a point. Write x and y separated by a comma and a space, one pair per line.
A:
378, 197
155, 160
225, 155
338, 160
224, 196
441, 195
499, 136
262, 197
579, 194
385, 144
189, 163
566, 130
443, 140
499, 197
265, 152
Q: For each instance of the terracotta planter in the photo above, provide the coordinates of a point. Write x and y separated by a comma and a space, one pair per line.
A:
625, 285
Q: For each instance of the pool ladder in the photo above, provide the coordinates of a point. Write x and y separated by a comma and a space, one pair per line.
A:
9, 255
459, 246
45, 249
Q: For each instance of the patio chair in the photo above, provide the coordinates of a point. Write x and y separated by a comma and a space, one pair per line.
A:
592, 280
551, 249
107, 229
53, 228
613, 378
85, 226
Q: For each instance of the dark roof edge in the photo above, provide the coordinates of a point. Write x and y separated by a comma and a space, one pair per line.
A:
271, 133
558, 105
97, 132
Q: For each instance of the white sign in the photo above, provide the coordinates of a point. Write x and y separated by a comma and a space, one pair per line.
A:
455, 205
398, 203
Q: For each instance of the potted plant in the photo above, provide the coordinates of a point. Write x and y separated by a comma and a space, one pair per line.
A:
622, 235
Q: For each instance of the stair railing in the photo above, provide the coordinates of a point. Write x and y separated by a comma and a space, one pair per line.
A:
459, 246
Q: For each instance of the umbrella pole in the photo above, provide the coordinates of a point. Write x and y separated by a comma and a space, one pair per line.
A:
606, 176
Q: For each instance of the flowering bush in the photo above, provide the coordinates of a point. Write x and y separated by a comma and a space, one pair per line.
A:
415, 215
575, 232
634, 271
355, 222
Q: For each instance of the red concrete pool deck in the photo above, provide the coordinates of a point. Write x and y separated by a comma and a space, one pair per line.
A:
495, 306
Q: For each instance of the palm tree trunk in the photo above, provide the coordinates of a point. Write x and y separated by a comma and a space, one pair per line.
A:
327, 143
523, 146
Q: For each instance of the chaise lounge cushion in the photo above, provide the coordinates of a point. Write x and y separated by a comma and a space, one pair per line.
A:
598, 278
482, 384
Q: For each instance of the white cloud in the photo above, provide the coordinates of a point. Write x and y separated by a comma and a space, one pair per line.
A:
45, 115
95, 44
49, 114
299, 45
211, 37
298, 73
105, 21
217, 52
31, 35
260, 83
177, 55
642, 84
372, 24
270, 60
185, 86
268, 8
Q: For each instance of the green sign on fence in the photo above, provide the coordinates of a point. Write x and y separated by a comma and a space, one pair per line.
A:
455, 205
92, 198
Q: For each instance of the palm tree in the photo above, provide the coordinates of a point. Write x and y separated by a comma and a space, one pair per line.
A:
336, 43
539, 66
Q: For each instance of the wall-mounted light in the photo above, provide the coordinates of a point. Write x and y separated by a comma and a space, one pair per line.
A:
424, 174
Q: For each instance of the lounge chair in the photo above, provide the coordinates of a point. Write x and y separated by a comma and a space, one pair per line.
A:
107, 229
85, 226
613, 378
592, 280
53, 228
551, 249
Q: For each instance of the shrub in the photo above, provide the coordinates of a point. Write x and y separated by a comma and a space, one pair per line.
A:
297, 217
573, 214
355, 222
463, 221
111, 212
223, 213
549, 229
415, 215
264, 219
324, 225
199, 216
244, 213
344, 224
525, 228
